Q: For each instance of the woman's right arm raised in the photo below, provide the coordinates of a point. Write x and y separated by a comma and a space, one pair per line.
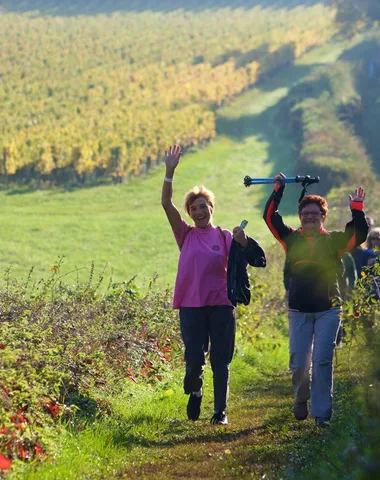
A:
172, 156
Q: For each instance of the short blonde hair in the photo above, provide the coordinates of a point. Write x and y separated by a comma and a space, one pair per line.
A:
196, 192
375, 232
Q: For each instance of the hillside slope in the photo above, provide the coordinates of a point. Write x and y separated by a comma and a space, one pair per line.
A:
90, 99
125, 225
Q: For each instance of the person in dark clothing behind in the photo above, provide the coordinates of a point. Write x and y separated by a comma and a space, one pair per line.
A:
371, 256
371, 251
371, 223
348, 275
359, 253
313, 268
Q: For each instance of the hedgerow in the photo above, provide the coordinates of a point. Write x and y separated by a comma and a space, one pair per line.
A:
64, 348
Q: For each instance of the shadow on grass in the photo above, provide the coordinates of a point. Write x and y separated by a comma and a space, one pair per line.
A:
19, 191
214, 434
278, 387
278, 445
268, 127
27, 189
181, 432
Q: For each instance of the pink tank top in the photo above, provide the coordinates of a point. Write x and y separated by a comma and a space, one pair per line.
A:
202, 267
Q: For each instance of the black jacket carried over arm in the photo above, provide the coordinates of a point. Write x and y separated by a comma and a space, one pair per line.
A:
237, 275
313, 263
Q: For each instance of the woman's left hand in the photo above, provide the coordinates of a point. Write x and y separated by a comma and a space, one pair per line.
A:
240, 237
359, 195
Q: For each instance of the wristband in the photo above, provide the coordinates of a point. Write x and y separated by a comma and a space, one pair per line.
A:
169, 180
357, 205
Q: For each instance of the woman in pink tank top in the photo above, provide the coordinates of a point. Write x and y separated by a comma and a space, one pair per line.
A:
206, 314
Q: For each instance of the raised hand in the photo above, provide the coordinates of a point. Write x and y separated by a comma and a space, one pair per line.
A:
172, 156
278, 180
359, 195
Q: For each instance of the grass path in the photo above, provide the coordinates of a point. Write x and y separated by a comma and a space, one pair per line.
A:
148, 436
125, 227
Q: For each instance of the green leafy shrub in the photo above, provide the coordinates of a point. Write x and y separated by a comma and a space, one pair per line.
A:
64, 347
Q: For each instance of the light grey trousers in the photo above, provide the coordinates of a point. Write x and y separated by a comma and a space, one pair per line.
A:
312, 341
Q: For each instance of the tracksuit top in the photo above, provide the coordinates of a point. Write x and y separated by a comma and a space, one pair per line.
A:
313, 263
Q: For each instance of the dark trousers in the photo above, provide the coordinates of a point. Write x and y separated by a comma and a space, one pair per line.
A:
201, 327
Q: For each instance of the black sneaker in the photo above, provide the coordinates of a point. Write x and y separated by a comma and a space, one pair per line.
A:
219, 419
300, 410
194, 406
322, 422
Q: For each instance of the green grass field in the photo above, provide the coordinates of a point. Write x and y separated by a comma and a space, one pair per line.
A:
125, 227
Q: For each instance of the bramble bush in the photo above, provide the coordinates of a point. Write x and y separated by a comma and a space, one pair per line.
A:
63, 348
361, 316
